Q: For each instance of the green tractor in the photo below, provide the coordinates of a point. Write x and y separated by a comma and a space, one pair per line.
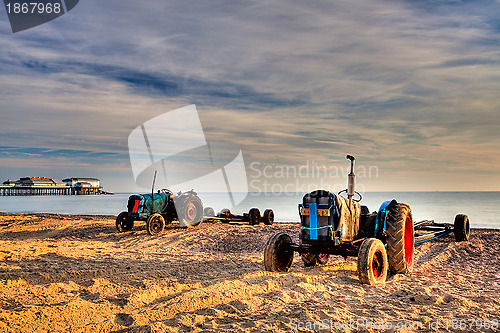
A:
161, 208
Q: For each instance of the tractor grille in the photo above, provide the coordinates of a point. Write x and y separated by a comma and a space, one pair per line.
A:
134, 202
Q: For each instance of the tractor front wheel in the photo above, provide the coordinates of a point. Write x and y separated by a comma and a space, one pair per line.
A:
278, 253
124, 222
155, 224
372, 262
461, 228
400, 239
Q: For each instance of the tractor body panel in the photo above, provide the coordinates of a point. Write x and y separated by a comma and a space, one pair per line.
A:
326, 218
140, 206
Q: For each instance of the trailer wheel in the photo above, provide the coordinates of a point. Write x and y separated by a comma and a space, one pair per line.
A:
225, 212
209, 212
155, 224
461, 228
123, 222
278, 253
312, 259
254, 216
268, 217
372, 262
400, 239
190, 211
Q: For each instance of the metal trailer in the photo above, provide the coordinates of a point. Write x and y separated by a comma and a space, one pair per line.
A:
253, 216
429, 229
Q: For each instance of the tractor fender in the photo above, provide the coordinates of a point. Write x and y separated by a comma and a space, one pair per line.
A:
381, 216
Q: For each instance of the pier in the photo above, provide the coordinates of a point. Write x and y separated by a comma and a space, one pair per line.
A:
28, 186
18, 190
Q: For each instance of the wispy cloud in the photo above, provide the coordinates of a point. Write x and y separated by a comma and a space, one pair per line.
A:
394, 82
200, 91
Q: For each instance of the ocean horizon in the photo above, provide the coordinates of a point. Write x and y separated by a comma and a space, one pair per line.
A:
441, 206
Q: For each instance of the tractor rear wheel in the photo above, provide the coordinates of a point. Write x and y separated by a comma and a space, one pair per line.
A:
372, 262
461, 228
123, 222
190, 211
155, 224
313, 259
400, 239
268, 217
278, 253
254, 216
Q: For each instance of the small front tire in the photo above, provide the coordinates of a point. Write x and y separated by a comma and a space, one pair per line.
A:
278, 253
372, 262
124, 222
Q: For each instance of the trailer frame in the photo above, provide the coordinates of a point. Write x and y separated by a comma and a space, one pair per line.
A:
428, 230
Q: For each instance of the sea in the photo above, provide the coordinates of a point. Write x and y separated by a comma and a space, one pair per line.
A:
481, 207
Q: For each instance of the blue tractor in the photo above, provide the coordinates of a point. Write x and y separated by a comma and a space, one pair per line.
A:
161, 208
334, 225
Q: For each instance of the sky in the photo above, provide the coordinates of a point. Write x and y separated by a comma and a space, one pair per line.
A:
410, 88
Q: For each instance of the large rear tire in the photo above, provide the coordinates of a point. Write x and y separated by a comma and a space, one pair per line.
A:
124, 222
268, 217
312, 259
190, 211
400, 239
461, 228
372, 262
278, 253
254, 216
155, 224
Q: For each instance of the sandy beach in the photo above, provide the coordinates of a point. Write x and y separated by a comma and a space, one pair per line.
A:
64, 273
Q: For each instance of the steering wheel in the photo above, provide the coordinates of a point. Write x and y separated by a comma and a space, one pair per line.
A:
355, 192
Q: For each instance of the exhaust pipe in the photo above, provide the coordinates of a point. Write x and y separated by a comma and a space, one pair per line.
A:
351, 180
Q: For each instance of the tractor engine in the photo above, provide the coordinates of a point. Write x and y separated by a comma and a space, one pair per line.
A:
140, 206
327, 217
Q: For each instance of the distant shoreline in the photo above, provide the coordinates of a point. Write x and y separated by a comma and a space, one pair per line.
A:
107, 216
481, 207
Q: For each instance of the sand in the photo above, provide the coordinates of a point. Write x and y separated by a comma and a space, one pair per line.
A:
62, 273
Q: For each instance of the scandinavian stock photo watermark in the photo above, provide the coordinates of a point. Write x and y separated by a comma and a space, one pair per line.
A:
174, 147
275, 179
24, 14
383, 324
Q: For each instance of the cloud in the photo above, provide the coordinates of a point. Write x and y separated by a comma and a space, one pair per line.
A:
54, 153
385, 80
165, 84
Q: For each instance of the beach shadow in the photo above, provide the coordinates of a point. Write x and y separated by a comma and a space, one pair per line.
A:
135, 329
105, 232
